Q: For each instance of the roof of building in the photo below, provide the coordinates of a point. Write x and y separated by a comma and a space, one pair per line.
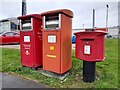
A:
8, 19
12, 19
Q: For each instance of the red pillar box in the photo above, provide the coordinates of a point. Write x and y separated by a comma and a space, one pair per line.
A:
31, 40
90, 49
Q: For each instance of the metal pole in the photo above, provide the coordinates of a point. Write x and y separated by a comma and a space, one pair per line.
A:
93, 18
24, 8
107, 17
89, 71
83, 26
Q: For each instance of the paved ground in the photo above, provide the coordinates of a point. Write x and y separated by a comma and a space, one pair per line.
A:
10, 46
18, 46
10, 81
73, 46
0, 81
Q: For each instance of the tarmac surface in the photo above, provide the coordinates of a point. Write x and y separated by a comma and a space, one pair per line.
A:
10, 81
18, 46
10, 46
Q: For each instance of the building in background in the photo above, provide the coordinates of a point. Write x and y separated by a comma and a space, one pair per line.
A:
10, 24
112, 31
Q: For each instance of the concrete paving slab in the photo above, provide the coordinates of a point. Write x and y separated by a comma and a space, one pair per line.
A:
54, 75
10, 81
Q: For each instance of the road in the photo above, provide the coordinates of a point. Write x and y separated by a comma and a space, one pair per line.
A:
11, 81
10, 46
18, 46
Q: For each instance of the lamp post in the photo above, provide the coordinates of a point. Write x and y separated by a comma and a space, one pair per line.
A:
24, 8
107, 16
93, 18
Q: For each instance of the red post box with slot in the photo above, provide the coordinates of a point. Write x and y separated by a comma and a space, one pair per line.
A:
90, 49
31, 40
57, 40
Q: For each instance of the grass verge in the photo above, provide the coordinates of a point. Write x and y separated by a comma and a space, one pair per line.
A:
106, 71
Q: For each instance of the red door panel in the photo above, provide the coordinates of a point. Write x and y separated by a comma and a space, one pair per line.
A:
51, 52
27, 49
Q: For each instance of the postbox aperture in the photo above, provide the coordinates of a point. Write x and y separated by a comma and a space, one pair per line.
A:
26, 25
52, 22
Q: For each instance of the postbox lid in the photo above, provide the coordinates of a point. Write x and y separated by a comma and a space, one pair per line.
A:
90, 32
64, 11
102, 29
38, 16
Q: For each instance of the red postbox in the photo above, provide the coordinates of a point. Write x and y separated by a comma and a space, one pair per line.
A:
90, 49
31, 40
57, 36
90, 45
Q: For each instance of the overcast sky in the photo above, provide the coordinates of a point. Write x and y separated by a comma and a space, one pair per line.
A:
82, 10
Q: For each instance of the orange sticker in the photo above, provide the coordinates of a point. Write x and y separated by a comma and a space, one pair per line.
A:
52, 48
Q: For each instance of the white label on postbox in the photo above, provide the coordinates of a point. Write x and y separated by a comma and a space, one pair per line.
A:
51, 39
26, 38
86, 49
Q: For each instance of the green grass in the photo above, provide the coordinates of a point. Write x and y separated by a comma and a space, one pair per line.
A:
106, 71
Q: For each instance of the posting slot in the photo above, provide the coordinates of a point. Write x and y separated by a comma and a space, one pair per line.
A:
26, 25
52, 22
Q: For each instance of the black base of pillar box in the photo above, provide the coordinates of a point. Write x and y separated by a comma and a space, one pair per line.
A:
88, 71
